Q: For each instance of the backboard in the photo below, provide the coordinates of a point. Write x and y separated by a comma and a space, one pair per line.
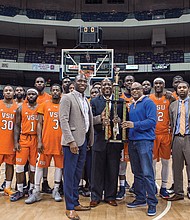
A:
96, 62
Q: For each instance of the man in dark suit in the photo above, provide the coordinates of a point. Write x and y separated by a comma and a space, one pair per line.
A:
105, 155
77, 133
180, 124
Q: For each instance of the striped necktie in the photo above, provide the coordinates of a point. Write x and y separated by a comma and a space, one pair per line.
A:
182, 118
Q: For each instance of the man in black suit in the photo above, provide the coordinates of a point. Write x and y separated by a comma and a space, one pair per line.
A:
105, 155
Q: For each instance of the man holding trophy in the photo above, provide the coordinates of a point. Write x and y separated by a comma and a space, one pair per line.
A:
108, 112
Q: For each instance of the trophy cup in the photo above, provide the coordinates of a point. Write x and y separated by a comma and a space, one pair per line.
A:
115, 130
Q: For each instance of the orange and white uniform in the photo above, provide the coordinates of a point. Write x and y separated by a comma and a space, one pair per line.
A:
28, 136
51, 135
162, 143
7, 120
129, 101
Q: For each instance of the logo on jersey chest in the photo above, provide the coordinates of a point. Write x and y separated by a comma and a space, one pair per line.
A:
7, 115
53, 114
161, 107
32, 117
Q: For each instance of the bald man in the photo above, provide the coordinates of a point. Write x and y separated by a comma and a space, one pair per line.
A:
141, 124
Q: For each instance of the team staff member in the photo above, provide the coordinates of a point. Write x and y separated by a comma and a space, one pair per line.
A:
105, 155
7, 119
49, 144
77, 133
180, 123
141, 124
25, 141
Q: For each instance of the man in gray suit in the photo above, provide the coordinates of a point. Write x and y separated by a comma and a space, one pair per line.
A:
180, 122
77, 133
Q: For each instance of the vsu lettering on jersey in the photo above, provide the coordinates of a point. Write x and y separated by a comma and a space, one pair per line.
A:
163, 122
29, 120
7, 120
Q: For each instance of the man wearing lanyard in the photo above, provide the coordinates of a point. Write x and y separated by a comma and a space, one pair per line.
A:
77, 133
179, 117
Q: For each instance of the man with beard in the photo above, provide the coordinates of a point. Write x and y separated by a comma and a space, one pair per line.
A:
40, 86
49, 144
180, 124
19, 95
42, 97
76, 122
25, 141
176, 81
65, 81
146, 87
162, 143
105, 155
141, 124
7, 119
126, 95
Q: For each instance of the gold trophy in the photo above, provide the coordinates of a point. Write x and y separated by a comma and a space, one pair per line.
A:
115, 101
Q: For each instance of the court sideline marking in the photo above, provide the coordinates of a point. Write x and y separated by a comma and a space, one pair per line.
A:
166, 210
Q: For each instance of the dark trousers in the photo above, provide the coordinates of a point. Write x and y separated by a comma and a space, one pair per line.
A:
105, 171
87, 168
180, 156
72, 172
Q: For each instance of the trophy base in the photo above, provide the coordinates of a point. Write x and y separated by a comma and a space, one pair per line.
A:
115, 141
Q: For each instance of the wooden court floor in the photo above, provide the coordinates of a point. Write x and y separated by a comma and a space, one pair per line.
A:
48, 209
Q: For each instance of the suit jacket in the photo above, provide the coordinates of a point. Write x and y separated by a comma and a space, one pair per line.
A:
98, 105
173, 110
72, 121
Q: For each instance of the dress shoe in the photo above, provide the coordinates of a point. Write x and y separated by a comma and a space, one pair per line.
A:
82, 208
176, 197
94, 203
112, 202
71, 214
188, 192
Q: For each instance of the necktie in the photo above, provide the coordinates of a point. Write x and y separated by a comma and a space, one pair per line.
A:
182, 118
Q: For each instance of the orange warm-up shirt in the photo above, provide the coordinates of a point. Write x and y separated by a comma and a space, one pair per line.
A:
175, 95
129, 100
51, 133
163, 120
29, 120
7, 120
43, 98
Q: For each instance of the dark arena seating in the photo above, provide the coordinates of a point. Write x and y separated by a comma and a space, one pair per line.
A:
8, 54
8, 10
42, 57
49, 14
166, 57
103, 16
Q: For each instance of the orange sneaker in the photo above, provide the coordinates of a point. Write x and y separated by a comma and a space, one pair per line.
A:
8, 191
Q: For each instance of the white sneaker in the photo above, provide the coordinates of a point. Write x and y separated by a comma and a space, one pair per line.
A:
34, 197
56, 196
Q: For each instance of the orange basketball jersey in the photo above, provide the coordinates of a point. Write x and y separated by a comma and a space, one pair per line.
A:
43, 98
163, 121
29, 120
175, 95
129, 100
7, 120
51, 133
